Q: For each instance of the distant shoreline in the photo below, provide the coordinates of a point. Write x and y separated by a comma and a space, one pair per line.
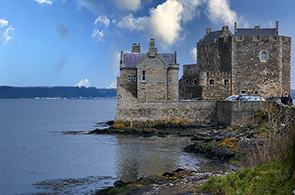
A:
9, 92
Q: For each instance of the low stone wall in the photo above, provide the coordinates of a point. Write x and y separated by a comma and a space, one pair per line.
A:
232, 113
133, 112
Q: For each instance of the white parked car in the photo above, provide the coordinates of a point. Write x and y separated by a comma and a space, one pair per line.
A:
231, 98
255, 98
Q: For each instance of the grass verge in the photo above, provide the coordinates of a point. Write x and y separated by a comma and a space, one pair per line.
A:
271, 178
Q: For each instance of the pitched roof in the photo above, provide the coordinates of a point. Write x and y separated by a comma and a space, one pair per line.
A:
256, 32
131, 59
213, 35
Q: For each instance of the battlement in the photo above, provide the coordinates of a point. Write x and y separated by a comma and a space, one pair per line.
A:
211, 73
256, 38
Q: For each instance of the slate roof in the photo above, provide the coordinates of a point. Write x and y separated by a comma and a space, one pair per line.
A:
131, 59
211, 36
256, 32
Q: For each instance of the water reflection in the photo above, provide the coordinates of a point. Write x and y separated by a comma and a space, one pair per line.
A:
143, 156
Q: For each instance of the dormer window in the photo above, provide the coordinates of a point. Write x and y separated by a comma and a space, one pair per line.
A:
263, 56
143, 75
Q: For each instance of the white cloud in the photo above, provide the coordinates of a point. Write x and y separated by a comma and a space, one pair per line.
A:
102, 20
113, 85
92, 5
97, 35
165, 22
83, 83
219, 12
193, 54
3, 22
131, 23
190, 9
132, 5
5, 35
49, 2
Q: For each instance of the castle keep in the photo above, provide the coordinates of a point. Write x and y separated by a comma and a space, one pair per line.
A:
254, 61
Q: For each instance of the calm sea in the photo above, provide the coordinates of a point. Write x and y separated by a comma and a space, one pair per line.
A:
43, 142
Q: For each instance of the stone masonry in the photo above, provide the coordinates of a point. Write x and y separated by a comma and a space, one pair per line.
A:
254, 61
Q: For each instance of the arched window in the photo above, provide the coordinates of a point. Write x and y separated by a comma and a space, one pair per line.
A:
263, 56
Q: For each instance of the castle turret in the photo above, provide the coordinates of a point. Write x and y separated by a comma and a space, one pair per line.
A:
152, 49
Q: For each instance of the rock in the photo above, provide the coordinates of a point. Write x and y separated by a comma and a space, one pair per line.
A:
120, 184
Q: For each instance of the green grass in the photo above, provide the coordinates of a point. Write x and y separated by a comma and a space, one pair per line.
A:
271, 178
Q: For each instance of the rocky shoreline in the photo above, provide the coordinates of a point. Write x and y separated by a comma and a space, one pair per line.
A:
180, 181
212, 140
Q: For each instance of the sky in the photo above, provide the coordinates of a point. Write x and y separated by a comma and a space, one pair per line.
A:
78, 42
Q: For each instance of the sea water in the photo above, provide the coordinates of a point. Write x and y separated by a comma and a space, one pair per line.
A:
44, 148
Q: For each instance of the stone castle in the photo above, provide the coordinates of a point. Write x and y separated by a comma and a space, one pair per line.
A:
254, 61
249, 61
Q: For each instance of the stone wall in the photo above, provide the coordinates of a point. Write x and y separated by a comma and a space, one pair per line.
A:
132, 112
173, 82
154, 87
208, 55
232, 113
128, 79
253, 76
286, 64
218, 86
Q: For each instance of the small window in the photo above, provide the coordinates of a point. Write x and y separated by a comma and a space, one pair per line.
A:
256, 92
226, 82
129, 77
263, 56
134, 77
243, 92
195, 81
211, 82
207, 60
186, 82
143, 75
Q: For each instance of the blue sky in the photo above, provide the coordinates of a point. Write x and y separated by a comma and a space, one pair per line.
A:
70, 42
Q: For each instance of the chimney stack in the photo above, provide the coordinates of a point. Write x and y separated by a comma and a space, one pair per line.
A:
136, 48
152, 49
277, 27
235, 28
208, 30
